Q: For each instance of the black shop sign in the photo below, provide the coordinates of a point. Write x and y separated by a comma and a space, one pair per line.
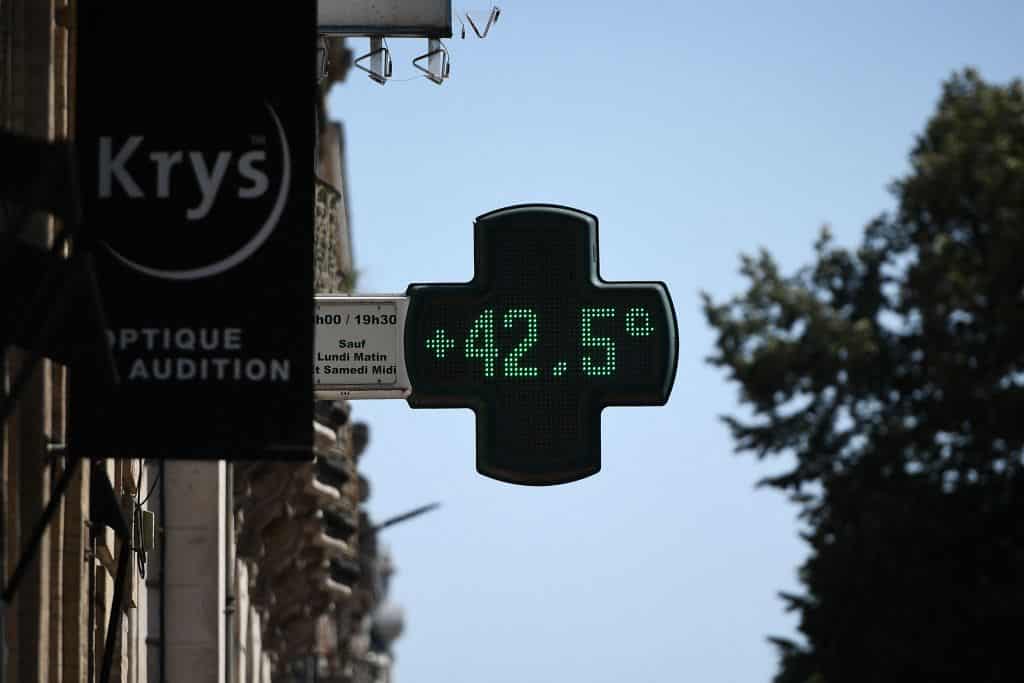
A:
194, 126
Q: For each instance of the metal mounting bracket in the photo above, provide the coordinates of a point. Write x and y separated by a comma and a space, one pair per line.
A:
438, 64
492, 19
321, 58
380, 60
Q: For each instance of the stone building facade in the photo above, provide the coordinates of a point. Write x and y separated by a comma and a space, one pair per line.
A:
254, 572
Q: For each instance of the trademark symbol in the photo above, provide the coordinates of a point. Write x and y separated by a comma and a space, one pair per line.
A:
258, 139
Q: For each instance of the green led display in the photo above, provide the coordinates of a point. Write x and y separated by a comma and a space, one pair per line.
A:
588, 339
512, 367
440, 343
480, 342
638, 322
537, 344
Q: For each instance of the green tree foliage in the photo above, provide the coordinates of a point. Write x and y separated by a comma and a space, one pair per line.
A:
895, 374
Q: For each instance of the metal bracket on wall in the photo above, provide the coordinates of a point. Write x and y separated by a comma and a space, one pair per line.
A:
492, 19
380, 60
32, 545
438, 65
116, 610
321, 58
42, 176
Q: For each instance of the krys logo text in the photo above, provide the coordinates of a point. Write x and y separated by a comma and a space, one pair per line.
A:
191, 199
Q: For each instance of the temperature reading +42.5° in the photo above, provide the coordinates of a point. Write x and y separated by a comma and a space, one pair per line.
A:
589, 345
537, 344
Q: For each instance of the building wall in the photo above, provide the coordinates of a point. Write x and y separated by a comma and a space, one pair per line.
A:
27, 92
55, 625
252, 573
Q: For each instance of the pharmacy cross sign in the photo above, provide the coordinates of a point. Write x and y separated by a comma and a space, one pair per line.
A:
536, 344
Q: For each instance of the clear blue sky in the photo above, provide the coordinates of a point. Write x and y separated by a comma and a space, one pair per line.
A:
694, 131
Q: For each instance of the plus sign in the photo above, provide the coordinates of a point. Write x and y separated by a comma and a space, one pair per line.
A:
440, 343
537, 345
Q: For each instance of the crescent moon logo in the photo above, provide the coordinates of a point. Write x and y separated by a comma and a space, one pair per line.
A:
249, 248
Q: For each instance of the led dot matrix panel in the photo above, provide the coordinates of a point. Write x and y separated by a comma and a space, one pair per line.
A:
537, 344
